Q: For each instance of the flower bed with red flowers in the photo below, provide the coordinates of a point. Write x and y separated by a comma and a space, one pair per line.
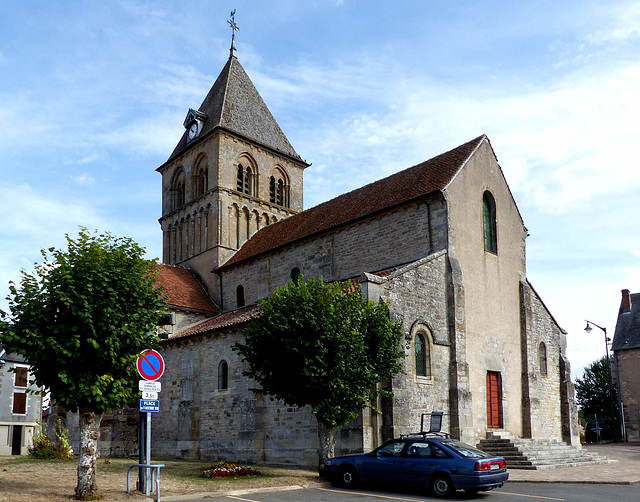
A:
228, 470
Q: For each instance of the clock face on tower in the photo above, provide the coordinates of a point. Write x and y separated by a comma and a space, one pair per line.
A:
193, 130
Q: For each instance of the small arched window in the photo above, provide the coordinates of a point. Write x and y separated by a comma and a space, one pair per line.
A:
423, 355
244, 180
279, 189
240, 296
272, 189
178, 190
542, 358
240, 178
280, 193
223, 375
248, 178
295, 275
201, 181
489, 223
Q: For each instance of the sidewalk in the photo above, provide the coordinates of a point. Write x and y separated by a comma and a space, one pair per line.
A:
625, 468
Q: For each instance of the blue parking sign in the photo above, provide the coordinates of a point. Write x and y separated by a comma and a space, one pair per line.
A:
149, 406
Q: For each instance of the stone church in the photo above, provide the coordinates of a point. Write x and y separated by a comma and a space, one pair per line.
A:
443, 242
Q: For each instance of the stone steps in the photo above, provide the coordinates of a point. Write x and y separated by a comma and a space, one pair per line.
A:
522, 453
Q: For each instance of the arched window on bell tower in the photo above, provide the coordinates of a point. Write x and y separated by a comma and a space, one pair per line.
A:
200, 177
246, 178
178, 189
279, 187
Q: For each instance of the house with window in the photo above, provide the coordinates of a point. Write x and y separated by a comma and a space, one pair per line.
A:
625, 350
442, 242
20, 410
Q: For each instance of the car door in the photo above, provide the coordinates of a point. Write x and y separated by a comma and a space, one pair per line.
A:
416, 463
445, 461
381, 465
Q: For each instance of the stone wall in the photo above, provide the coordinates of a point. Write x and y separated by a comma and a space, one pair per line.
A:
418, 297
628, 378
485, 297
384, 241
549, 409
542, 350
199, 421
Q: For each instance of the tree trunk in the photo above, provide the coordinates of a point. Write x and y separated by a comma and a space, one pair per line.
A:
325, 444
89, 433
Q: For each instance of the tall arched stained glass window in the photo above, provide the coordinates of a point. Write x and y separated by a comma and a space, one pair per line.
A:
423, 355
489, 221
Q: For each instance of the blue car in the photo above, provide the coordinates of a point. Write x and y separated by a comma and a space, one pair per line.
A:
437, 462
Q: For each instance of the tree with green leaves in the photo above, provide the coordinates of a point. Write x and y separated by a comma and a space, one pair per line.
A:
320, 345
593, 391
80, 319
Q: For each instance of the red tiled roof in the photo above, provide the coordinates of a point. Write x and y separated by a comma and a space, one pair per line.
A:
183, 290
226, 320
397, 189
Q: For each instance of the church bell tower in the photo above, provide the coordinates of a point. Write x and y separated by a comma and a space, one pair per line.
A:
232, 173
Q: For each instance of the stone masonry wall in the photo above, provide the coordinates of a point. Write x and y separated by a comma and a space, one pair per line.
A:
198, 421
418, 296
629, 385
381, 242
543, 387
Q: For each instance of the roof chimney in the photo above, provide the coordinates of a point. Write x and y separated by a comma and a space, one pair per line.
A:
626, 301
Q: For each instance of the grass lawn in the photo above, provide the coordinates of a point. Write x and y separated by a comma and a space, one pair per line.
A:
23, 478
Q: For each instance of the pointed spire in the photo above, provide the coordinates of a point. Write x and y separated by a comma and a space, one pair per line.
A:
234, 27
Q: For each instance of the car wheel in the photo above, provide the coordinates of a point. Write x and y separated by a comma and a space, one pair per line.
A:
441, 485
347, 477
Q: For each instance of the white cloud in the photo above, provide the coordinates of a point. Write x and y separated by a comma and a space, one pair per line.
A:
561, 145
623, 26
84, 179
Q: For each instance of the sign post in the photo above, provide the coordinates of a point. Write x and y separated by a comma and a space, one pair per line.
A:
150, 366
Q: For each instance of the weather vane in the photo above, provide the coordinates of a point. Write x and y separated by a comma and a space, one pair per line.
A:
232, 23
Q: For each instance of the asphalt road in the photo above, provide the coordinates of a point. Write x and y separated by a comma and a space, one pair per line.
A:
516, 492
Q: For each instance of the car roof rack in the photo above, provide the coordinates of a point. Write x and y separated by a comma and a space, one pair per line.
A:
445, 435
435, 427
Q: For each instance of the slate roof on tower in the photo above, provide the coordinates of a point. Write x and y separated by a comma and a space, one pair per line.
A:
234, 104
627, 333
382, 195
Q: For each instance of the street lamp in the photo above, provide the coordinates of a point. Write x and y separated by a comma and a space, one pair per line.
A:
588, 329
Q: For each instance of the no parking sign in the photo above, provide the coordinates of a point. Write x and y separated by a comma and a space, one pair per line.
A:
150, 365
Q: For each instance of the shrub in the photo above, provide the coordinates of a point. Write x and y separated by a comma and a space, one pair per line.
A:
63, 448
44, 449
225, 469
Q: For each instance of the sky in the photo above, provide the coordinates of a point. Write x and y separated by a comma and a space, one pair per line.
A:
93, 96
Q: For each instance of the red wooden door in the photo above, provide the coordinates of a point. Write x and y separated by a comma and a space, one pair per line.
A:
494, 400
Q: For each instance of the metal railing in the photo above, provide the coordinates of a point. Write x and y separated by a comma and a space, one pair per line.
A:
155, 477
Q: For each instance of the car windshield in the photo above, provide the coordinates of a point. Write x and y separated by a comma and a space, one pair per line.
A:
465, 450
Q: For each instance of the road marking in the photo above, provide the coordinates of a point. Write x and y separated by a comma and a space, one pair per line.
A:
387, 497
528, 496
370, 495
